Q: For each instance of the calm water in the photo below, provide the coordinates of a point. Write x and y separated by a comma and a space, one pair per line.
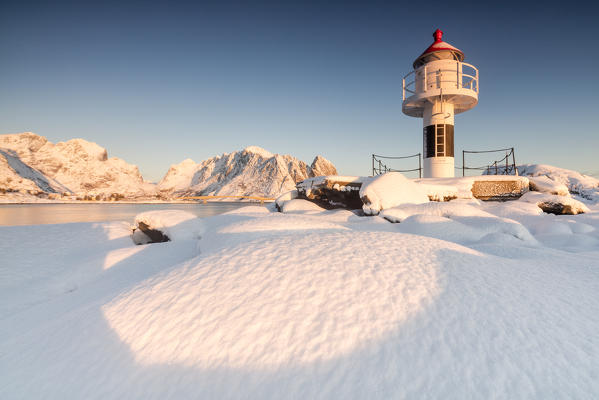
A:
34, 214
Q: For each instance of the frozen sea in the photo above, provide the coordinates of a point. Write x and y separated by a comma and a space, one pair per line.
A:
36, 214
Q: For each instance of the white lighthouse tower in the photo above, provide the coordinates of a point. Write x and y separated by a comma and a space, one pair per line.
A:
440, 86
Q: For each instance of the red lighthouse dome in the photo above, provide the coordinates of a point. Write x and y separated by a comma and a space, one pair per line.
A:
439, 50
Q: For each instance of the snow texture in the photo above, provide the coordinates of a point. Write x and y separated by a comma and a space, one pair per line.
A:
326, 305
456, 221
306, 305
390, 190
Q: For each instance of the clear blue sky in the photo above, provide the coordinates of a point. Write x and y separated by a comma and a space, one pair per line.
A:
158, 83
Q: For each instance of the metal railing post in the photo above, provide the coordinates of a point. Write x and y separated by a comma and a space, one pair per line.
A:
373, 171
463, 163
514, 161
419, 165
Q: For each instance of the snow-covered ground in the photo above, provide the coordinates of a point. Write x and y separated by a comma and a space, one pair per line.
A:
458, 300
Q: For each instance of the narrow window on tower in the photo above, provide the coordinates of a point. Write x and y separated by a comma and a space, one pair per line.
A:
429, 141
449, 141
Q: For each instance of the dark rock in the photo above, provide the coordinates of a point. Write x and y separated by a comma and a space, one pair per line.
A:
154, 235
331, 193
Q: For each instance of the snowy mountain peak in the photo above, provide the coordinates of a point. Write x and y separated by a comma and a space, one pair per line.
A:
82, 148
259, 151
322, 167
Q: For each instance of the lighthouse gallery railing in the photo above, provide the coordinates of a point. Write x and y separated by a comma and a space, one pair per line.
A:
463, 80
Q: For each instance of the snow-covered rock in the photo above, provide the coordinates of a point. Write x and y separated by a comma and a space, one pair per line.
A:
166, 225
584, 186
29, 162
554, 204
440, 192
545, 184
285, 197
390, 190
249, 172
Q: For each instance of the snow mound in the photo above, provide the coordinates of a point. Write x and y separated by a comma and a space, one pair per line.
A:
440, 209
555, 204
290, 195
457, 222
172, 224
390, 190
584, 186
300, 206
544, 184
230, 310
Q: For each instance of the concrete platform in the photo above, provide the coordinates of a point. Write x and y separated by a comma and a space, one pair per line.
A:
343, 191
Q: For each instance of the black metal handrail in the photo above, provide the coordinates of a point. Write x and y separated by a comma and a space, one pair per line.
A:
378, 167
496, 166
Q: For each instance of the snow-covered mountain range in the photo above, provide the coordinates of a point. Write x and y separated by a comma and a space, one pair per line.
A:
252, 171
30, 164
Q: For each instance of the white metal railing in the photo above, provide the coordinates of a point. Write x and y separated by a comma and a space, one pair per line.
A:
440, 77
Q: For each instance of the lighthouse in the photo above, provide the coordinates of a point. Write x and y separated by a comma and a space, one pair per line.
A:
440, 86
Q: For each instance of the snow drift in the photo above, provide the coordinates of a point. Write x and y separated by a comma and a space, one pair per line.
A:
389, 190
